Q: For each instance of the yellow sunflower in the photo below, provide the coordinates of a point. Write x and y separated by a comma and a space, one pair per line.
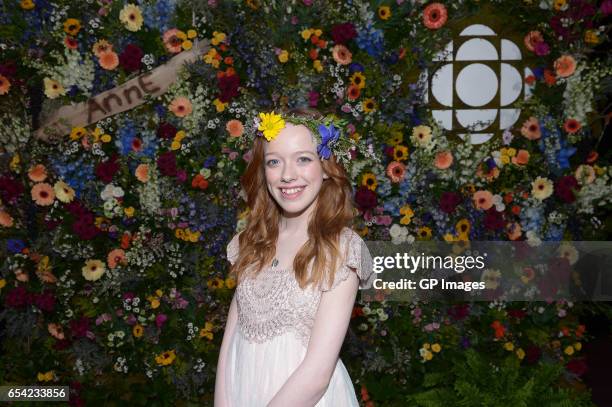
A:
358, 80
369, 105
369, 180
271, 124
384, 12
72, 26
400, 153
424, 233
166, 358
463, 227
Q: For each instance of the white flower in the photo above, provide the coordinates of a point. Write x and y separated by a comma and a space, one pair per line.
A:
398, 233
532, 238
111, 191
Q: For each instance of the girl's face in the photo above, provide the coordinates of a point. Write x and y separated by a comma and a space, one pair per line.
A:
294, 174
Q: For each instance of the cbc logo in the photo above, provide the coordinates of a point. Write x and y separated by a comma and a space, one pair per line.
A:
472, 92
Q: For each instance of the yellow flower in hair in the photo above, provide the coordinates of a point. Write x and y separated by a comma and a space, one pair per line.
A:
271, 124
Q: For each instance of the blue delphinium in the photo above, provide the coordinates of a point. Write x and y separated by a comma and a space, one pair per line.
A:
157, 15
371, 40
77, 173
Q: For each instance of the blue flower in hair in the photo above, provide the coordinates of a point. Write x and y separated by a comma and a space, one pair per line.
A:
329, 135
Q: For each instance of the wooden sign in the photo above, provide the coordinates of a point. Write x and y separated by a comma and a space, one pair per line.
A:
125, 97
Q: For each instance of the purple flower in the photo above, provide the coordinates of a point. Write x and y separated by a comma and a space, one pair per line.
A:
228, 86
494, 220
329, 135
18, 297
45, 301
541, 48
606, 8
10, 189
106, 170
313, 98
160, 320
79, 327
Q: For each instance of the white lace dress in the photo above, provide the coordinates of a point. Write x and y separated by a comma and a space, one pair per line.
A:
275, 318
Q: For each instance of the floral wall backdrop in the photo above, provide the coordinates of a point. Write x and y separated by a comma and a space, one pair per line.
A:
113, 276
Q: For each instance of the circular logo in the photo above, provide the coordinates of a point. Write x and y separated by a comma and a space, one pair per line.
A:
473, 90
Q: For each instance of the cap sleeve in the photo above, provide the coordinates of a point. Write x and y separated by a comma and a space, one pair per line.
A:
233, 249
357, 260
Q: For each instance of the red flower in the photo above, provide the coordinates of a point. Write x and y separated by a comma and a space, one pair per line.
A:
343, 33
435, 16
494, 220
167, 164
106, 170
166, 131
228, 85
365, 198
10, 189
572, 126
131, 58
565, 187
577, 366
449, 201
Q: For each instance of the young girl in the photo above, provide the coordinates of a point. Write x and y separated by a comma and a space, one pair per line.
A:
298, 267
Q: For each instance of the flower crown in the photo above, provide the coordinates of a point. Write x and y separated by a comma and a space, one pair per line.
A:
331, 134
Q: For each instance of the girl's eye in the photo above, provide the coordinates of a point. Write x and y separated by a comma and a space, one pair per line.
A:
305, 159
271, 163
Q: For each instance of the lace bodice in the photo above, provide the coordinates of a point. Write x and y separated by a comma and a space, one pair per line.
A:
273, 303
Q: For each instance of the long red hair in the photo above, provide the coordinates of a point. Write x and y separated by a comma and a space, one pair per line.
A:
334, 210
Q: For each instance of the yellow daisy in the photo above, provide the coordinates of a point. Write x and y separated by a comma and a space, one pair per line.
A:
165, 358
271, 124
424, 233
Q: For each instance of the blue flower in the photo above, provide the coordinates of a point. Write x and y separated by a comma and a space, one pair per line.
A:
371, 40
356, 67
329, 135
15, 245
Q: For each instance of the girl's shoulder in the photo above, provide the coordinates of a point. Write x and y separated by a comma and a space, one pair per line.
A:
356, 258
233, 248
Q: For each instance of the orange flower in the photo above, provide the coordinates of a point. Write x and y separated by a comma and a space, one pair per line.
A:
6, 219
181, 107
199, 182
572, 126
565, 66
342, 55
396, 171
172, 42
5, 85
56, 330
435, 16
37, 173
100, 47
43, 194
108, 60
532, 38
125, 240
483, 200
353, 92
514, 230
116, 257
531, 129
234, 128
142, 173
521, 158
443, 160
499, 329
313, 54
549, 77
